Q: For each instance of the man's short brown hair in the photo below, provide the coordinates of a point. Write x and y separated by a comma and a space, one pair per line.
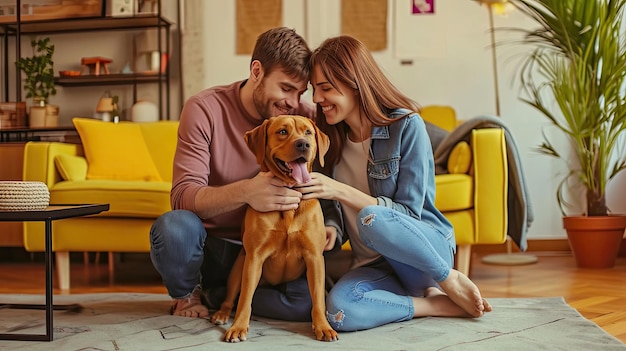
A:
282, 47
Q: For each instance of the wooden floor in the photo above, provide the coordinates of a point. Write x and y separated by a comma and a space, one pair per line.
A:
599, 295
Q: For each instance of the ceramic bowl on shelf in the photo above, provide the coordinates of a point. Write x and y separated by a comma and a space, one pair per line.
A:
69, 73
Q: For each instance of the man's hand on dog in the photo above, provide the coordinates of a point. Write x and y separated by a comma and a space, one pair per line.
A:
267, 193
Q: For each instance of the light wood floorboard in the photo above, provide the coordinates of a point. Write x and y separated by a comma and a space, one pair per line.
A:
599, 295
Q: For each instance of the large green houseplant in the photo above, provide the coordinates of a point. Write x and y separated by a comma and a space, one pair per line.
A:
575, 75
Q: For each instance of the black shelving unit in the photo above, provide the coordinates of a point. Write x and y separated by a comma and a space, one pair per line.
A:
109, 79
95, 24
24, 134
72, 25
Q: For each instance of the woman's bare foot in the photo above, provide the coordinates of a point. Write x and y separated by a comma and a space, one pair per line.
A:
432, 291
487, 305
463, 292
190, 306
436, 303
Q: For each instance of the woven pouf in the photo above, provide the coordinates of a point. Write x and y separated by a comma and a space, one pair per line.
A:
23, 196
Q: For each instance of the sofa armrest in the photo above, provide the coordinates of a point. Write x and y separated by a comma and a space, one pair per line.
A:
39, 159
490, 185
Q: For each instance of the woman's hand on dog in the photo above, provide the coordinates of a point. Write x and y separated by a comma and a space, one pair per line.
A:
331, 238
323, 187
319, 187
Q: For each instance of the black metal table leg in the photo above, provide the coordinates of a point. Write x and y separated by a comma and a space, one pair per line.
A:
49, 291
51, 213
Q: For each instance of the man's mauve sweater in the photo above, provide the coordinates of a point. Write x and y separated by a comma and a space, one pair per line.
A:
211, 151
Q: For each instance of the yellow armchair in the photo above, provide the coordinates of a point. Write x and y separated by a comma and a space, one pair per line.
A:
473, 193
476, 202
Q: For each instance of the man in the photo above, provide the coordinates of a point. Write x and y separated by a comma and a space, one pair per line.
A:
216, 177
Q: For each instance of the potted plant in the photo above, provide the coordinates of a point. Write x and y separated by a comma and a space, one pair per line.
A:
575, 76
39, 81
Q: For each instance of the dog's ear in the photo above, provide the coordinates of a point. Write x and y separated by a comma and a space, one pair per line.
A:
256, 139
323, 144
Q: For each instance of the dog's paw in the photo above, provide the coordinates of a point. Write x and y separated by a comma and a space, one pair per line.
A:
221, 317
326, 334
236, 334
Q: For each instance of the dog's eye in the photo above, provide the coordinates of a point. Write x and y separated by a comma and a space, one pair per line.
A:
308, 132
282, 131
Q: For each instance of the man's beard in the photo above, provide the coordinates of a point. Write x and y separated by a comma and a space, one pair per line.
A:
263, 106
260, 102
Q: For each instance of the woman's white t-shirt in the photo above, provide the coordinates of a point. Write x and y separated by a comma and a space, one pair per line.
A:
352, 170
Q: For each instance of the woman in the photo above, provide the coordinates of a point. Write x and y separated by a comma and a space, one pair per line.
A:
379, 173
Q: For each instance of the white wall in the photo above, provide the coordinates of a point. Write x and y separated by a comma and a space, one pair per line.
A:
451, 65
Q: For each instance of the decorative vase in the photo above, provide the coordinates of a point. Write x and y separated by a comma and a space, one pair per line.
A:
144, 111
595, 240
37, 117
52, 116
37, 113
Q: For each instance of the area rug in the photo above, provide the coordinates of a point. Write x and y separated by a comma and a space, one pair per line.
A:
140, 322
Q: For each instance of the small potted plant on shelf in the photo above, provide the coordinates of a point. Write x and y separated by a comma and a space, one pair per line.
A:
575, 76
39, 82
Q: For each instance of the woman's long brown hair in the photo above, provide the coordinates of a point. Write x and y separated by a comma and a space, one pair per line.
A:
347, 60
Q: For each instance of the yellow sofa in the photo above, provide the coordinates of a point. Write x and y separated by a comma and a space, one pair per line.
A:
134, 204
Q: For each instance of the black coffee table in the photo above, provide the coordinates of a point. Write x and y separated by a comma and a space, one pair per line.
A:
51, 213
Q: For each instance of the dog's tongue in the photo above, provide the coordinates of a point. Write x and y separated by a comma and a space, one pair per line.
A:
299, 172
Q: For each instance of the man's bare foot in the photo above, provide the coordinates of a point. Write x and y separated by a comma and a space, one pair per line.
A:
463, 292
190, 306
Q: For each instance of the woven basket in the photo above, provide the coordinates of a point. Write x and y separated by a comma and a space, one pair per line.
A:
23, 196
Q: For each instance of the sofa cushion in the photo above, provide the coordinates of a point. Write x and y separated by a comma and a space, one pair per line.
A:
115, 151
460, 159
454, 192
126, 198
161, 138
71, 167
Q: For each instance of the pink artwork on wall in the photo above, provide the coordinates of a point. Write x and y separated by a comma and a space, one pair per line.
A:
423, 6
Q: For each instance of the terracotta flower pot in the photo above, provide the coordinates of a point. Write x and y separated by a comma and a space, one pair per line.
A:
595, 241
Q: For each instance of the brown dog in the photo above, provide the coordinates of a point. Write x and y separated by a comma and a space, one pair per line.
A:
278, 246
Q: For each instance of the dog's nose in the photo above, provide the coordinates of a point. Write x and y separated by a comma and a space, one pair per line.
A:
302, 145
